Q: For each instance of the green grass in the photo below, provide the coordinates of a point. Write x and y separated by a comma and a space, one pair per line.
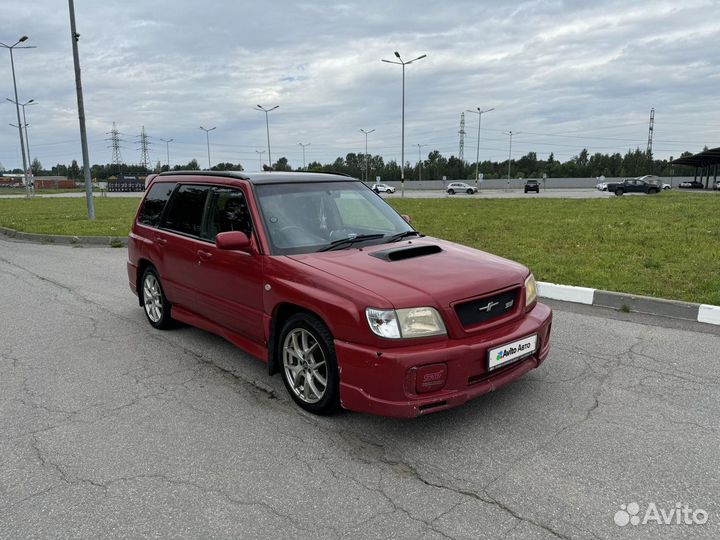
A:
69, 216
666, 245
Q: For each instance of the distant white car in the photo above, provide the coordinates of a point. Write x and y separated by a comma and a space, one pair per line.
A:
666, 186
383, 188
602, 186
459, 187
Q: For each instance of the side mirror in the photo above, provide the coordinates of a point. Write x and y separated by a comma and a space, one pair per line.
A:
233, 241
406, 218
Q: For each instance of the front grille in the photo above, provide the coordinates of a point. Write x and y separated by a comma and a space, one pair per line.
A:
488, 308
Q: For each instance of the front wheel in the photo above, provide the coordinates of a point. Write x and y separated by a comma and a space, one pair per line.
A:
309, 364
618, 192
470, 192
156, 305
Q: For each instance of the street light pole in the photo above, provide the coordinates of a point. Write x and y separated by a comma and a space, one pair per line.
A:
402, 149
420, 162
74, 37
167, 148
366, 151
25, 125
267, 126
303, 147
477, 154
260, 153
207, 136
509, 156
17, 106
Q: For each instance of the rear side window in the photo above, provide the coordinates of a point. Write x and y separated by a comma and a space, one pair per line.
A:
154, 203
186, 209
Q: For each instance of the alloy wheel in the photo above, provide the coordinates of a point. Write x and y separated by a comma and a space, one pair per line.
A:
305, 365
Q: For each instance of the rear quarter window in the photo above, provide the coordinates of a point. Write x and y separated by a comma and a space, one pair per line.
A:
154, 203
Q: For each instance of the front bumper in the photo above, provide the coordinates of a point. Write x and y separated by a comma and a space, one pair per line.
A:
374, 380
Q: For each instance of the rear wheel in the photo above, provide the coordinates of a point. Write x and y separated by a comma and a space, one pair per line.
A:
619, 191
309, 364
451, 191
156, 305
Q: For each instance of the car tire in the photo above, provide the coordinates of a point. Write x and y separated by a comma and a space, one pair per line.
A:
451, 191
619, 192
155, 304
470, 192
302, 335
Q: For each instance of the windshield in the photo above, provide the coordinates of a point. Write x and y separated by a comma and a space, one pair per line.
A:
309, 217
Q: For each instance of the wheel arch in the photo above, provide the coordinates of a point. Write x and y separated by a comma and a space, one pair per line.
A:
143, 264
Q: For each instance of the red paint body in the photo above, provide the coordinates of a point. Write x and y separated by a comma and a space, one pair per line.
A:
237, 294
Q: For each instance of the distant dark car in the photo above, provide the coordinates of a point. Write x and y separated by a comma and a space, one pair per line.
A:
532, 185
692, 184
633, 185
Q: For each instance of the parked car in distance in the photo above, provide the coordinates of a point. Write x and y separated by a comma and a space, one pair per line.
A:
383, 188
323, 280
667, 186
602, 186
691, 184
633, 185
532, 185
460, 187
716, 185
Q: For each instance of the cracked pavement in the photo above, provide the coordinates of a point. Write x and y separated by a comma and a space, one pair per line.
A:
109, 428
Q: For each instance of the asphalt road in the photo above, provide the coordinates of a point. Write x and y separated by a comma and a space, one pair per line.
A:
109, 428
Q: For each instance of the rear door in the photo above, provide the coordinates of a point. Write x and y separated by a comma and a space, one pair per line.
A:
229, 283
181, 226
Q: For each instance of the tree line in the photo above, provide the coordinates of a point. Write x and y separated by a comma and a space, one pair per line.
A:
436, 166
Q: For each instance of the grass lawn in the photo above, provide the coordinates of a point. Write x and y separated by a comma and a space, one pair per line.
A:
666, 245
69, 216
49, 191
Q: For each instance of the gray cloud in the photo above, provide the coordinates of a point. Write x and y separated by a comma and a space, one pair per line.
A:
566, 75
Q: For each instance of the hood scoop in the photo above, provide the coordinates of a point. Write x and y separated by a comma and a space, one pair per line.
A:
402, 253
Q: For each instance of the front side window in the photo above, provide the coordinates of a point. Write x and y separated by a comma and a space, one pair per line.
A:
155, 202
186, 209
227, 211
309, 217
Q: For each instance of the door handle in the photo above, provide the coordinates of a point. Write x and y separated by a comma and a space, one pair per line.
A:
160, 240
204, 255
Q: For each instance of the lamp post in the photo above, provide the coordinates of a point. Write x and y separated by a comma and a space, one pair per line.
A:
25, 125
420, 162
509, 156
23, 39
260, 153
167, 149
366, 152
267, 126
477, 154
303, 147
207, 136
402, 148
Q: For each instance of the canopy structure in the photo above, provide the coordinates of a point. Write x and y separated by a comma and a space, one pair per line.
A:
705, 163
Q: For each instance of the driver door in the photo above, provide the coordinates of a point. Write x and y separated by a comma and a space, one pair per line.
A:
229, 283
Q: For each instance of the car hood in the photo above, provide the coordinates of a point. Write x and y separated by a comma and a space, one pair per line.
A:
454, 273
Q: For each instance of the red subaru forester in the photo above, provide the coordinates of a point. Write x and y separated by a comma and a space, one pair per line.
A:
317, 276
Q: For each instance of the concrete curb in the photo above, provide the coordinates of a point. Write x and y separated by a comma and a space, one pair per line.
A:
103, 241
673, 309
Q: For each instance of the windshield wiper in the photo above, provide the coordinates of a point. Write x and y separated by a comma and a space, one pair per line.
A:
350, 240
399, 236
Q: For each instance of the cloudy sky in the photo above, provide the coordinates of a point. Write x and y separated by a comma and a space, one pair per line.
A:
562, 74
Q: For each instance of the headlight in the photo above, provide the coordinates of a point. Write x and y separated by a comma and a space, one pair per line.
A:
530, 291
405, 323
